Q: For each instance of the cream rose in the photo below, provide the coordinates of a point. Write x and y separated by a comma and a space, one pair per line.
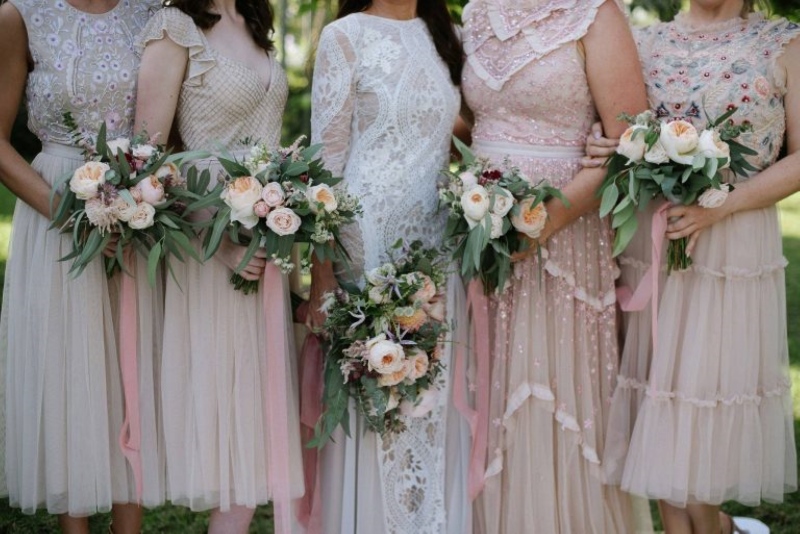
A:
120, 143
426, 401
475, 203
143, 216
497, 226
241, 195
273, 194
143, 152
378, 275
321, 194
714, 198
283, 221
124, 210
679, 139
87, 178
426, 292
503, 201
656, 154
152, 190
170, 171
531, 219
711, 146
468, 180
417, 363
385, 357
631, 143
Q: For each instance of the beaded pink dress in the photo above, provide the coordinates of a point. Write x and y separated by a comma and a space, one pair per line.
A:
555, 349
710, 414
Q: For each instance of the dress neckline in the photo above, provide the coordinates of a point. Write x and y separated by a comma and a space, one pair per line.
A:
88, 14
390, 20
737, 23
241, 66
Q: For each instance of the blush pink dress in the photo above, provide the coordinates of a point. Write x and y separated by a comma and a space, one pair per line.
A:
555, 356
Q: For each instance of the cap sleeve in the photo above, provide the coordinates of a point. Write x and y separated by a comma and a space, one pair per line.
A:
181, 29
777, 36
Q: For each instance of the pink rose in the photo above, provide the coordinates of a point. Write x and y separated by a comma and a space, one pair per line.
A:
261, 209
273, 194
283, 221
152, 190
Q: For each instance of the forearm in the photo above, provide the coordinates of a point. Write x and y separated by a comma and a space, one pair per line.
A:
23, 181
767, 188
581, 193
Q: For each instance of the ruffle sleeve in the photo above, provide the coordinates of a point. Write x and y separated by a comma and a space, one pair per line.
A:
181, 29
776, 36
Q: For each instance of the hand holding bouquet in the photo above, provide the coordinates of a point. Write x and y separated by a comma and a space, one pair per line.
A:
490, 213
672, 160
132, 188
274, 199
384, 344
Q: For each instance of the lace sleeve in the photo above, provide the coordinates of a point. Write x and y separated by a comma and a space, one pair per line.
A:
333, 98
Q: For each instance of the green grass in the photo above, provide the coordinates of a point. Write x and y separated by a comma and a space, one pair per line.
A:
782, 519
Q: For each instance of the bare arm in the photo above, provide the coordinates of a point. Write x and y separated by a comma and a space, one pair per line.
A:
161, 73
15, 172
617, 86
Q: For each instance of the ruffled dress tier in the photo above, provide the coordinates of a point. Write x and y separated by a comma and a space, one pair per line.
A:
709, 416
555, 352
215, 377
58, 335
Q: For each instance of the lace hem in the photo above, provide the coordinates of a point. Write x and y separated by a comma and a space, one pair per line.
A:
781, 389
181, 29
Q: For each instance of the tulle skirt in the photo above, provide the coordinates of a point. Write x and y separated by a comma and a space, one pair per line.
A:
63, 399
715, 421
214, 388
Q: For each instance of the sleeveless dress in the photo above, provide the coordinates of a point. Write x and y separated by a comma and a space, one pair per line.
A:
63, 398
555, 349
709, 417
384, 106
213, 375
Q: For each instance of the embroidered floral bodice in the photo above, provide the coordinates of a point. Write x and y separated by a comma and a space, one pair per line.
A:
223, 103
384, 107
524, 79
65, 44
691, 72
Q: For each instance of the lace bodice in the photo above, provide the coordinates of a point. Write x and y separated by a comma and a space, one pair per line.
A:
82, 63
223, 103
384, 107
691, 72
525, 80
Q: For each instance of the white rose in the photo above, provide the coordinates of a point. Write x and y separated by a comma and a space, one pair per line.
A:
120, 143
170, 171
152, 190
714, 198
143, 152
124, 210
426, 401
631, 143
503, 202
656, 154
497, 226
711, 146
241, 195
679, 139
273, 194
385, 357
142, 217
321, 194
378, 275
283, 221
475, 203
87, 178
531, 219
468, 180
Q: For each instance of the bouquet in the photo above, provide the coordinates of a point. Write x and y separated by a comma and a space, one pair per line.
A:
132, 188
384, 344
673, 160
274, 199
484, 204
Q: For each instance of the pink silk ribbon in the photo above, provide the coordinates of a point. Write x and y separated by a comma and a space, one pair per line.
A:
478, 418
130, 435
648, 286
276, 400
310, 510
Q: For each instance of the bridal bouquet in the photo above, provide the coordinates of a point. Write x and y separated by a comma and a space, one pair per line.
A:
672, 160
383, 344
489, 211
274, 199
131, 188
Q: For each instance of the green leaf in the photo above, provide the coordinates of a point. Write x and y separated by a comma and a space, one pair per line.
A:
624, 235
152, 263
609, 200
221, 221
296, 168
467, 157
252, 248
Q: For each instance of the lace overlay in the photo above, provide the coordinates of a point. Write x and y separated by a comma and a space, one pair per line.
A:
384, 107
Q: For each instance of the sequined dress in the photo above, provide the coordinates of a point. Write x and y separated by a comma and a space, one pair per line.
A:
555, 348
384, 106
63, 391
710, 413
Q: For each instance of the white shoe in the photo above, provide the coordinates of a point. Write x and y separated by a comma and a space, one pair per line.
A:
748, 525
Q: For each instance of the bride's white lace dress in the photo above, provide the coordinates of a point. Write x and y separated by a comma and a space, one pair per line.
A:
384, 108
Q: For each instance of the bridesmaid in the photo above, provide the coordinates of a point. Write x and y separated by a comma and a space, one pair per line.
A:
209, 66
716, 421
538, 72
64, 402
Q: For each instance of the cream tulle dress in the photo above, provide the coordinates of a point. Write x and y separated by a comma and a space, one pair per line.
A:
555, 349
711, 414
214, 378
63, 398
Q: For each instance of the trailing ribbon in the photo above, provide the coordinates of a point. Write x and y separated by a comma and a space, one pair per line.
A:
478, 419
275, 401
648, 286
130, 437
